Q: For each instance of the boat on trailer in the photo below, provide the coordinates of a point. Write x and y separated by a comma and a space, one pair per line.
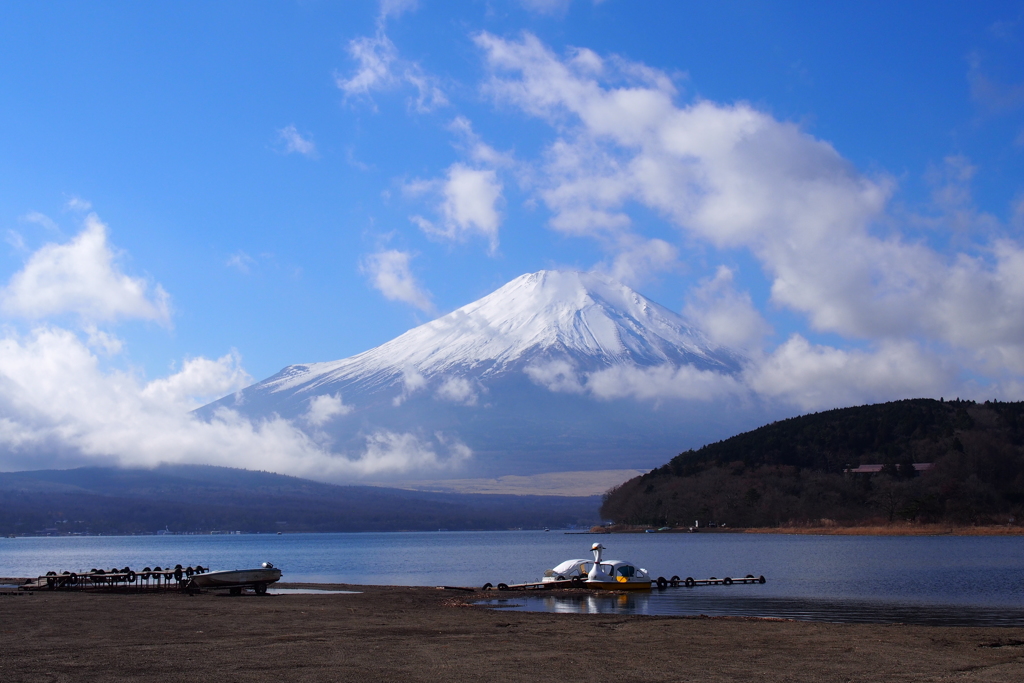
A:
237, 579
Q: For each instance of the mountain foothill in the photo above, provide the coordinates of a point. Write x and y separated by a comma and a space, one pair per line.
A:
956, 462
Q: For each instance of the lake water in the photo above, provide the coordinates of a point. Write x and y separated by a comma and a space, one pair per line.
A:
939, 579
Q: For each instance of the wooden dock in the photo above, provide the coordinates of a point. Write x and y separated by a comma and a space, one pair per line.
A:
661, 583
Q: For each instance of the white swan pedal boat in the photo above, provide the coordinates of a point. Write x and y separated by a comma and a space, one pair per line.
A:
600, 573
237, 579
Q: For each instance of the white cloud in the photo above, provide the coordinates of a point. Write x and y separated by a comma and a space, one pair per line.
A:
78, 204
1017, 212
241, 262
639, 259
390, 275
816, 377
477, 150
42, 220
952, 198
380, 68
199, 382
295, 142
735, 177
727, 316
429, 95
798, 373
324, 408
391, 452
102, 341
375, 56
469, 200
663, 381
15, 239
470, 203
396, 8
60, 408
81, 277
412, 382
458, 390
555, 375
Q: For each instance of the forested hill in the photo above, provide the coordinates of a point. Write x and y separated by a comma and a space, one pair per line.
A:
794, 470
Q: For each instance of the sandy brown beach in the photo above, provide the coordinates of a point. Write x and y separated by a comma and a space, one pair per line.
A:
425, 634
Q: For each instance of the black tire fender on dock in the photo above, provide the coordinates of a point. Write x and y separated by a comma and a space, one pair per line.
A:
727, 581
131, 576
662, 583
487, 586
577, 581
690, 583
761, 579
559, 578
674, 581
503, 586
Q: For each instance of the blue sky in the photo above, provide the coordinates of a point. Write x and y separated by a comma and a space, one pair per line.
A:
198, 194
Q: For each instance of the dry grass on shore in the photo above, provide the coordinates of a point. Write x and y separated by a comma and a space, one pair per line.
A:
830, 528
895, 529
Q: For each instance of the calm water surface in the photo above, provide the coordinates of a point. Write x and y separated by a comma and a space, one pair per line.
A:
944, 579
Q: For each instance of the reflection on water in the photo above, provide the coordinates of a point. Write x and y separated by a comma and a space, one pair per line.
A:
694, 602
307, 591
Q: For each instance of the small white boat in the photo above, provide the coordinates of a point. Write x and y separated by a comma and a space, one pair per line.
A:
615, 574
237, 579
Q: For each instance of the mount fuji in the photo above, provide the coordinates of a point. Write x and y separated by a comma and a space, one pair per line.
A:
512, 384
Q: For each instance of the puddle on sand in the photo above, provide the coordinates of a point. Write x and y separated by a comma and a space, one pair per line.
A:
306, 591
679, 603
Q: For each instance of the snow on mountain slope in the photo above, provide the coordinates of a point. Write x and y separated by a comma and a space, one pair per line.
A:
583, 316
506, 378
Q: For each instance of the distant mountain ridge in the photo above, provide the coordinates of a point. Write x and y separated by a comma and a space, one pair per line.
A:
505, 375
198, 498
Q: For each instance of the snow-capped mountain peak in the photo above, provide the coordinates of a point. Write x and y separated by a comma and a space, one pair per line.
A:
586, 318
505, 384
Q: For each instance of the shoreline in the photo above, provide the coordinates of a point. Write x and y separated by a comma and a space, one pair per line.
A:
425, 634
836, 530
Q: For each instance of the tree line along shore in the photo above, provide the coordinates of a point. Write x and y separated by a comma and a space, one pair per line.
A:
912, 466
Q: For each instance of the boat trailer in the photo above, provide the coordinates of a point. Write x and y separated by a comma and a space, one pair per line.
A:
120, 580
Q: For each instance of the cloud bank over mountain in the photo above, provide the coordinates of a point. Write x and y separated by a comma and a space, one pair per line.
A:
67, 398
551, 353
804, 280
